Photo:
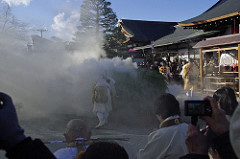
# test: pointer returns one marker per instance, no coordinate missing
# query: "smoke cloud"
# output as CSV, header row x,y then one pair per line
x,y
64,26
51,79
58,79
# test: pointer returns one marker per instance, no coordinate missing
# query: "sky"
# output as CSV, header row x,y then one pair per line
x,y
60,17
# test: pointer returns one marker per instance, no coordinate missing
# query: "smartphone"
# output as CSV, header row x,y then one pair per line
x,y
197,108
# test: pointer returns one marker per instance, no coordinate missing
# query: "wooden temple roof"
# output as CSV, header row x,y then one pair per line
x,y
219,41
221,10
139,30
180,35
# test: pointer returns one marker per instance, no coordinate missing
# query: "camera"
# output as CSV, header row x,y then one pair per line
x,y
197,108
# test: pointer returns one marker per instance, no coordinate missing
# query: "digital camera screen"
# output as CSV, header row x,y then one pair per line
x,y
196,108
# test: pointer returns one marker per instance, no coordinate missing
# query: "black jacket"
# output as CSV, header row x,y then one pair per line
x,y
30,149
222,145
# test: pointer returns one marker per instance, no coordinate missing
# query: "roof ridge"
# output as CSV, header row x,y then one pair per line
x,y
215,5
145,21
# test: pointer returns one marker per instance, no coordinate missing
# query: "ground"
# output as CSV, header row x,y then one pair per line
x,y
52,128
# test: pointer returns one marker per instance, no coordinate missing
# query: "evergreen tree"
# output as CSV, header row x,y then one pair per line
x,y
97,16
114,45
97,20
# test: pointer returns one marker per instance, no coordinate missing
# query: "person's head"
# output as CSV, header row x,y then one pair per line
x,y
226,97
191,60
166,105
104,150
76,128
164,63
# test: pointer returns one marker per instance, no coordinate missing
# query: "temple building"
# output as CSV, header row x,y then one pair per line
x,y
211,38
218,55
161,40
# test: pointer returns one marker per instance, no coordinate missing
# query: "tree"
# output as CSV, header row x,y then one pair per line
x,y
97,20
9,23
114,45
97,16
5,16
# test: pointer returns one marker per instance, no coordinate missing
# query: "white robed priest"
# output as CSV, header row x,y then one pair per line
x,y
103,95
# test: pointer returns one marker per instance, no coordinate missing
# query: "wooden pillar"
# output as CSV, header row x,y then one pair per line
x,y
239,69
219,56
188,52
201,70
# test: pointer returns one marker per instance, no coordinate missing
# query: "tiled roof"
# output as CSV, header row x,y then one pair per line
x,y
140,30
181,34
222,9
220,40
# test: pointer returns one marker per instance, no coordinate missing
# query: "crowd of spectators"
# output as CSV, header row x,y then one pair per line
x,y
173,139
170,69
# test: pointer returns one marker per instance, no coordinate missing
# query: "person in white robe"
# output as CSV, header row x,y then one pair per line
x,y
168,142
103,94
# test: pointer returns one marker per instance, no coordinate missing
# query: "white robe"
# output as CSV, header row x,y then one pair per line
x,y
227,59
66,153
103,107
166,143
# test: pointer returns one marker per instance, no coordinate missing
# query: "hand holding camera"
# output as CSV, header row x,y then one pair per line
x,y
196,142
196,108
214,117
217,122
208,110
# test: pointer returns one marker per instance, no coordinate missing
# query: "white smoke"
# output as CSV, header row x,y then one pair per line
x,y
64,26
17,2
50,79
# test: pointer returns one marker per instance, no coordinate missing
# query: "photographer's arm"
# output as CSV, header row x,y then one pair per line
x,y
224,147
220,126
217,122
196,143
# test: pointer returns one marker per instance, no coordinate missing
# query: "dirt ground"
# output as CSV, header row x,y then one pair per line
x,y
135,127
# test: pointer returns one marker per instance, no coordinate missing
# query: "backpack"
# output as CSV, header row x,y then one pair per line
x,y
101,94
